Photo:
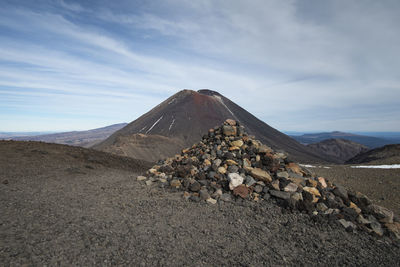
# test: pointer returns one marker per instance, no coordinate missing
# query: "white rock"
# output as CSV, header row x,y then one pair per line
x,y
212,201
141,178
234,180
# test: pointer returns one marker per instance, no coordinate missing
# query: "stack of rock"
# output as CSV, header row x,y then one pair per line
x,y
228,165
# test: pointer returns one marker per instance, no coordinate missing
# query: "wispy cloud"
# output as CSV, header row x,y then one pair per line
x,y
285,61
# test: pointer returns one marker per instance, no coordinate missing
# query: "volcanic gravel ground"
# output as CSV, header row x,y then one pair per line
x,y
382,186
70,206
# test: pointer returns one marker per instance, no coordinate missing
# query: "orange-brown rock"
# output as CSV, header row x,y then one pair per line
x,y
231,122
261,175
241,191
231,162
294,168
322,182
311,183
394,228
312,190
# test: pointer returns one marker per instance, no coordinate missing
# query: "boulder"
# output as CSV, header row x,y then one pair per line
x,y
141,178
322,182
237,143
194,186
229,130
382,214
282,175
231,122
261,175
312,190
291,187
280,194
341,192
234,180
394,228
241,191
175,183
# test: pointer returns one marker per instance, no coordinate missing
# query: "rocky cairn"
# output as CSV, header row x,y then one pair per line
x,y
229,165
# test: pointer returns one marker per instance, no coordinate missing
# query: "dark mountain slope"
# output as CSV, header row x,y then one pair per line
x,y
187,115
339,150
389,154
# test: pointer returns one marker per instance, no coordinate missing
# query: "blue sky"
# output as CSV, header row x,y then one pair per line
x,y
298,65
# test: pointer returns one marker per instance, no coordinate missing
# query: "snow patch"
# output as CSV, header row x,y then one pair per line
x,y
172,123
393,166
143,129
154,124
222,102
172,101
312,166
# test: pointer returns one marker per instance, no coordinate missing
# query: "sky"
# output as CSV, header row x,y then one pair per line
x,y
305,65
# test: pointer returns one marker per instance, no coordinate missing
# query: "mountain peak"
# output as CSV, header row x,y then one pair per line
x,y
186,116
208,92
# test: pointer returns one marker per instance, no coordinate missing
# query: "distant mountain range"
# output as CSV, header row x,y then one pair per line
x,y
74,138
369,141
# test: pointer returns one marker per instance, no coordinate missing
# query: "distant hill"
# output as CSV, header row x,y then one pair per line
x,y
75,138
9,135
338,150
369,141
184,118
389,154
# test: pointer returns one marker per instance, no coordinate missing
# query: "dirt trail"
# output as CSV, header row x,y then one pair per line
x,y
62,205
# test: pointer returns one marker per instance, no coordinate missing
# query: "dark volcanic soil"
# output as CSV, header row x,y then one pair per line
x,y
70,206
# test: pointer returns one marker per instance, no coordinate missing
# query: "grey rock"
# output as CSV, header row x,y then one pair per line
x,y
321,207
211,175
233,168
258,188
382,214
349,213
250,180
341,192
290,187
280,194
195,186
282,175
204,195
377,228
217,162
294,175
297,196
347,225
362,220
194,198
226,197
229,130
